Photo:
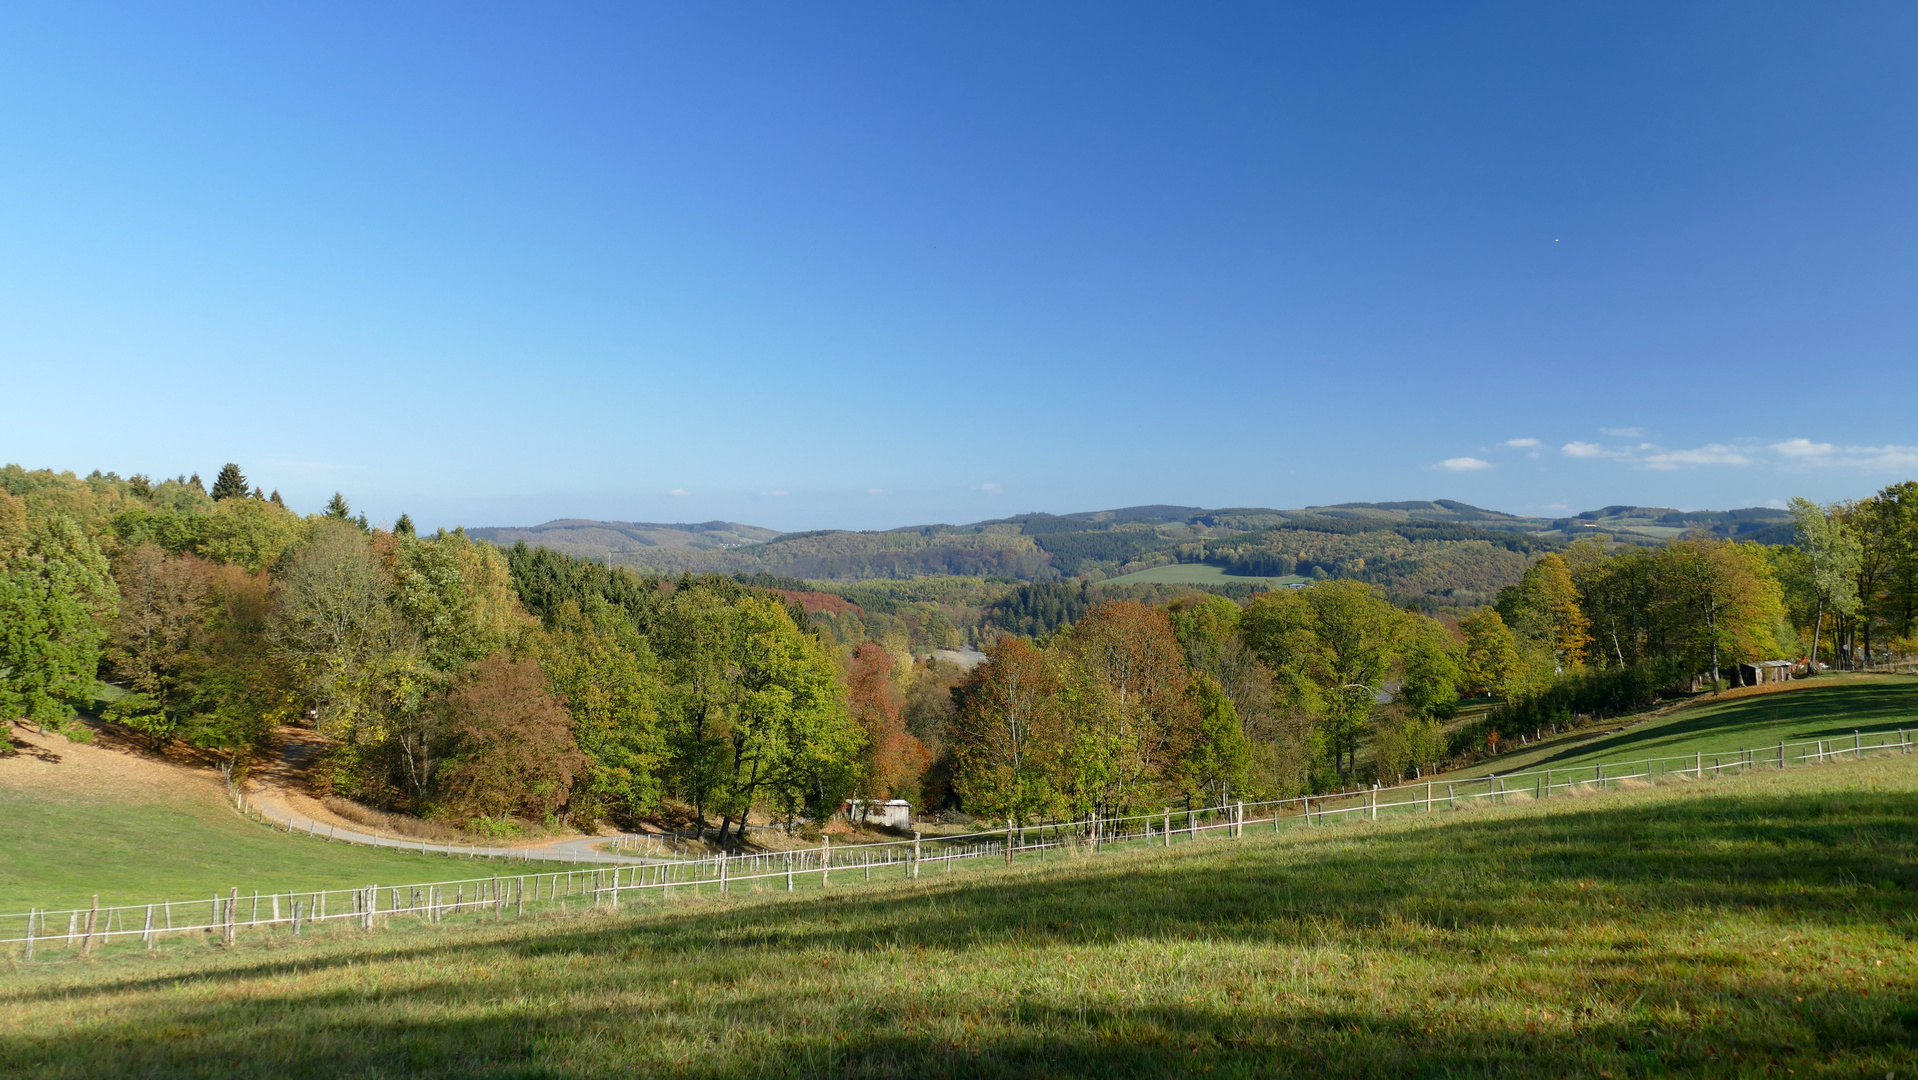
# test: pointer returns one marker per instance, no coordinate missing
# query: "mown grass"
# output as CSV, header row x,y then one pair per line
x,y
1829,708
59,850
1754,925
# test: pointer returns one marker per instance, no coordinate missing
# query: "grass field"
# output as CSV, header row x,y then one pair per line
x,y
1197,574
1761,924
132,839
1827,708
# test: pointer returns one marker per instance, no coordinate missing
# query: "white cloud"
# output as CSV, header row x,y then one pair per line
x,y
1804,452
1623,432
1804,448
992,489
1463,464
1584,450
1520,443
1777,504
1714,454
681,492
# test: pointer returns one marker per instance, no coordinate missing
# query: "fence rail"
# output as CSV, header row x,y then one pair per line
x,y
494,896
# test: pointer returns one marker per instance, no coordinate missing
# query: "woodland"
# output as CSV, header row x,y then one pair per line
x,y
502,689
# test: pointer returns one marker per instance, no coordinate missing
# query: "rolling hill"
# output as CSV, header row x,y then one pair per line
x,y
1437,553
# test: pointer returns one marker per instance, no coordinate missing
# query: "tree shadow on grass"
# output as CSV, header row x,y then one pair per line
x,y
1477,897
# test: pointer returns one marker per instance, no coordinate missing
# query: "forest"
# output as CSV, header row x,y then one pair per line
x,y
502,689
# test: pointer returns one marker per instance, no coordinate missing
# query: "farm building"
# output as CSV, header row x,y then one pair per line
x,y
890,814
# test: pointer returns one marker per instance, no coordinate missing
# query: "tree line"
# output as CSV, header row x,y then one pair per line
x,y
484,685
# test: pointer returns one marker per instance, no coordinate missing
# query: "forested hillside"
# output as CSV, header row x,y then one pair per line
x,y
501,689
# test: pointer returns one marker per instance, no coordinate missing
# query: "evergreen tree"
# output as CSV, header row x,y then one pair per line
x,y
403,527
276,500
337,508
230,484
196,483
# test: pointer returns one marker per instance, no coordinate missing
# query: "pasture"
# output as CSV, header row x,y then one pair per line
x,y
1761,923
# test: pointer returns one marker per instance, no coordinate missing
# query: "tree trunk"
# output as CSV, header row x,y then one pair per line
x,y
1817,625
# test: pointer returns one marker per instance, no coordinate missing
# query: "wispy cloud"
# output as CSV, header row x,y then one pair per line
x,y
1714,454
1792,455
1807,454
1522,444
1463,464
1623,432
679,492
992,489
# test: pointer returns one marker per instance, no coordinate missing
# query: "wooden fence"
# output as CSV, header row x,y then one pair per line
x,y
497,896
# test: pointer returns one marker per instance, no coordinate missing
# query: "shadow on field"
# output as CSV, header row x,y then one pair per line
x,y
1817,712
975,975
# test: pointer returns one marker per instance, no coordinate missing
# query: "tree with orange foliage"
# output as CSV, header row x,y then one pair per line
x,y
893,759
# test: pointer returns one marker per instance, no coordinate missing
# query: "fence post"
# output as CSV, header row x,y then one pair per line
x,y
31,912
1008,841
232,902
1451,798
789,871
1167,831
296,918
93,913
825,861
146,932
1428,796
1372,800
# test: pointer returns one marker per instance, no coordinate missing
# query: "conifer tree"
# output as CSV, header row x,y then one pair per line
x,y
276,500
403,527
230,484
336,507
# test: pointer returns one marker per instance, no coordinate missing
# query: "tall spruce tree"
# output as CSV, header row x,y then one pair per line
x,y
404,526
230,484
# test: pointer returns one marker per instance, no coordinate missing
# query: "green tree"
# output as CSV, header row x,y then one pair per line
x,y
56,599
1491,660
1833,553
1004,735
1219,761
230,484
607,677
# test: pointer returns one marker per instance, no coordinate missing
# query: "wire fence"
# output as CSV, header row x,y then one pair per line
x,y
499,896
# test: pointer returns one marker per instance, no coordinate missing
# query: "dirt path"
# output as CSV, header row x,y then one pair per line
x,y
280,791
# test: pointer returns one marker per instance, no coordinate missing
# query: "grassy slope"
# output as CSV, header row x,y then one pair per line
x,y
1829,708
60,849
1746,925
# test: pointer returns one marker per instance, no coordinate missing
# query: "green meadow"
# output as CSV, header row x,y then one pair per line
x,y
1753,925
1198,574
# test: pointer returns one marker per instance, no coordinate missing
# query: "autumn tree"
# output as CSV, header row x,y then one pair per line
x,y
1490,660
515,751
893,759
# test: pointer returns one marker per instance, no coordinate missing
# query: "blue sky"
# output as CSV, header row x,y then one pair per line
x,y
865,265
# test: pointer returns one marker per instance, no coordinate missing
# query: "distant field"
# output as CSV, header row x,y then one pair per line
x,y
1828,708
1755,925
1197,574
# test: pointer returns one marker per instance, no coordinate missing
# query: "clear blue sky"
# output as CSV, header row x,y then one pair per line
x,y
864,265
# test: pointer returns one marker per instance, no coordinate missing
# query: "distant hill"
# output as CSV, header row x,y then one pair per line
x,y
622,541
1757,524
1437,553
